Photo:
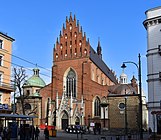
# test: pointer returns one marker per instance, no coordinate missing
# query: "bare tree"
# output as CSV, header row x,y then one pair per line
x,y
19,79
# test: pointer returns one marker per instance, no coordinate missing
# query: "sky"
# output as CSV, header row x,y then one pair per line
x,y
36,24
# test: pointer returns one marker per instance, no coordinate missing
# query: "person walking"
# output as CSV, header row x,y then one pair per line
x,y
37,131
46,133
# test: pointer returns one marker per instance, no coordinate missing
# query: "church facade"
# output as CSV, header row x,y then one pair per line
x,y
80,81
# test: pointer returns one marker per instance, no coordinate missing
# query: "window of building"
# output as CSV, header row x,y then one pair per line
x,y
71,84
75,51
1,44
66,36
61,46
80,42
97,107
27,106
75,34
1,60
85,51
56,55
0,98
70,27
80,49
27,92
1,78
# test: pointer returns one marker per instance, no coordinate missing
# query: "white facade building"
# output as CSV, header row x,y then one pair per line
x,y
153,27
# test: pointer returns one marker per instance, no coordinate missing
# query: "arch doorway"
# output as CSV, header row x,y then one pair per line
x,y
77,121
64,120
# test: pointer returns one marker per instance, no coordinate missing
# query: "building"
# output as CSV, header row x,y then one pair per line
x,y
123,105
80,80
31,97
153,27
6,87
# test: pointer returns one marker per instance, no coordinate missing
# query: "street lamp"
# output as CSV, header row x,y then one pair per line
x,y
47,112
140,90
104,105
126,123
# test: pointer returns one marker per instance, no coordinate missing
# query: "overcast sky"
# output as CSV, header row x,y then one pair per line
x,y
35,25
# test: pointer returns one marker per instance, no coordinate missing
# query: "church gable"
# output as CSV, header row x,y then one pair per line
x,y
72,42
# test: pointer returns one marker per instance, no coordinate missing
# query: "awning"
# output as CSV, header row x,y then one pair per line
x,y
17,116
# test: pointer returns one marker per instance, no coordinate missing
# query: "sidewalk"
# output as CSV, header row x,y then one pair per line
x,y
61,135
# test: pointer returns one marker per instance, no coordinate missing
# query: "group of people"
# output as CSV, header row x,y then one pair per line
x,y
5,133
25,133
29,132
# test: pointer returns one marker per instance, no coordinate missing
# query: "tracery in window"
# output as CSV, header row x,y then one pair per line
x,y
97,107
71,84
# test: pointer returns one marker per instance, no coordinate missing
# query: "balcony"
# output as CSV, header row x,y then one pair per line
x,y
6,87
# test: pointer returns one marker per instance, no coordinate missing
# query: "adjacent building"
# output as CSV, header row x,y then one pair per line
x,y
153,27
6,86
124,113
31,97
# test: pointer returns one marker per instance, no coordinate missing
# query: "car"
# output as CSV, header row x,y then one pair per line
x,y
75,129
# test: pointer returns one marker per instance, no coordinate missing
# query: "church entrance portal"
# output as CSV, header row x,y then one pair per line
x,y
77,121
64,120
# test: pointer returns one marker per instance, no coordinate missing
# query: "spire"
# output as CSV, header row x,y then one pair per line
x,y
57,41
99,49
85,35
70,18
60,34
133,81
66,18
74,17
78,25
81,30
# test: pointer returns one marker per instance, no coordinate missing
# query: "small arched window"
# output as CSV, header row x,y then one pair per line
x,y
75,34
97,107
80,43
70,27
56,55
66,36
85,51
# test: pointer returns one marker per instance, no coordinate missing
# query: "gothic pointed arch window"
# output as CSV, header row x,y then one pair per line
x,y
97,107
71,83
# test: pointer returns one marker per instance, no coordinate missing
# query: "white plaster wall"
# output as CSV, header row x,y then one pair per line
x,y
153,12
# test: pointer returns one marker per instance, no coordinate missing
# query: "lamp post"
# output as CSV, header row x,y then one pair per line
x,y
47,112
126,123
140,90
104,105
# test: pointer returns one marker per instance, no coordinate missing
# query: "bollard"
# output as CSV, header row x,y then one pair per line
x,y
103,138
129,137
117,138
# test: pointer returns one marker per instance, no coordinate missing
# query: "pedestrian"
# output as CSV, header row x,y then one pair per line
x,y
37,131
94,129
150,131
5,133
99,129
46,133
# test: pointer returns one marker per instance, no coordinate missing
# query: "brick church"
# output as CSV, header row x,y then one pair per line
x,y
80,82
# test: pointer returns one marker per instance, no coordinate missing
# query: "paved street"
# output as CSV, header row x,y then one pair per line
x,y
61,135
